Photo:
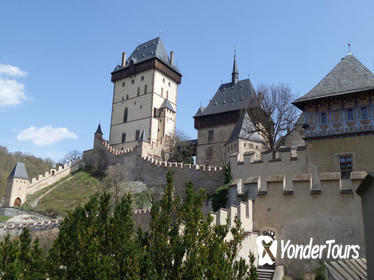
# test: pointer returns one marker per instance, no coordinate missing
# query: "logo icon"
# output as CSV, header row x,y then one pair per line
x,y
267,249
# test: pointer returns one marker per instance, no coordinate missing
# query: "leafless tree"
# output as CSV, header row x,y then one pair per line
x,y
115,176
72,156
272,115
179,150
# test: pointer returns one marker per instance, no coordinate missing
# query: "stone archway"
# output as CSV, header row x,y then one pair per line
x,y
17,202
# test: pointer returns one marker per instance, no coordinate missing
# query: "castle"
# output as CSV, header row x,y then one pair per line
x,y
307,190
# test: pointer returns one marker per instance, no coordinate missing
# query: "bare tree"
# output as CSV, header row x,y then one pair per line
x,y
72,156
115,176
272,115
179,149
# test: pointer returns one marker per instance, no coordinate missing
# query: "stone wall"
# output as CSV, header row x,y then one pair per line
x,y
151,171
20,188
297,200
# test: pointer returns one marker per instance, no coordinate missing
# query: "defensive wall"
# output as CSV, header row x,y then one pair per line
x,y
18,189
292,199
151,171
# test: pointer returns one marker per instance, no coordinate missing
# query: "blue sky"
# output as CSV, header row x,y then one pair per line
x,y
56,56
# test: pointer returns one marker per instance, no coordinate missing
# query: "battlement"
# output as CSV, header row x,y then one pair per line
x,y
142,211
118,154
52,176
114,151
244,211
41,225
169,164
294,183
283,155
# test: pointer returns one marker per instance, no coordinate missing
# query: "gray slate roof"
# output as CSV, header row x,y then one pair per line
x,y
241,130
229,97
349,75
148,50
98,130
168,105
19,171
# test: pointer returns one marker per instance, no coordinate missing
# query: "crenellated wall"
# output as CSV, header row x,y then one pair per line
x,y
151,171
20,188
244,212
298,200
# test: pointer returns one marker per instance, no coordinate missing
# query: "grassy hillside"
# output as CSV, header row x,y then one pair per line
x,y
34,165
66,194
74,190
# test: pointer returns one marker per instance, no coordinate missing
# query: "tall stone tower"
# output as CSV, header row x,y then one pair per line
x,y
16,188
144,98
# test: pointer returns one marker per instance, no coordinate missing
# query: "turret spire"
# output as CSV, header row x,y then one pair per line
x,y
235,73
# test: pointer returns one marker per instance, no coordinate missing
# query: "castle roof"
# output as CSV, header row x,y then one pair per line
x,y
19,171
151,49
229,97
241,130
168,105
98,130
348,76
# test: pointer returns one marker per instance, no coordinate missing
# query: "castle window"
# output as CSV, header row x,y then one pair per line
x,y
323,118
138,93
163,80
167,94
137,134
145,89
125,113
209,153
123,137
141,107
364,113
350,114
132,81
162,92
127,97
210,135
123,98
169,84
345,166
142,78
156,112
123,84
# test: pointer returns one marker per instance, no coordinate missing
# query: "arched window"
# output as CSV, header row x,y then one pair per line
x,y
125,115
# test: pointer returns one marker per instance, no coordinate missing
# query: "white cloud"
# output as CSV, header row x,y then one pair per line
x,y
11,71
12,92
45,135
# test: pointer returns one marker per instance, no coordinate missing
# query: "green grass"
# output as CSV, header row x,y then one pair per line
x,y
73,191
35,195
4,218
69,194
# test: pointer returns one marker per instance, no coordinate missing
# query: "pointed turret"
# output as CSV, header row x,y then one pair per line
x,y
98,130
19,172
235,73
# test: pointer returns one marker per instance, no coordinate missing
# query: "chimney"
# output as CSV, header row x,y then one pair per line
x,y
171,58
123,58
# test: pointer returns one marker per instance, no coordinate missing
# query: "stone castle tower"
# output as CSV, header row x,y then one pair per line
x,y
17,183
144,98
